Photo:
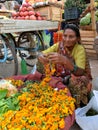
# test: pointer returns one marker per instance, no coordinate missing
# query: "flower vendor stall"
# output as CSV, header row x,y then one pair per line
x,y
36,105
34,102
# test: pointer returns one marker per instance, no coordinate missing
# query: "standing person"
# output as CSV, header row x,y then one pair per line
x,y
71,63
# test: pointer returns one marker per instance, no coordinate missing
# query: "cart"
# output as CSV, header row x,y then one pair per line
x,y
29,30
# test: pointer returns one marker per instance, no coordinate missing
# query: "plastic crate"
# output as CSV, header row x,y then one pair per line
x,y
71,13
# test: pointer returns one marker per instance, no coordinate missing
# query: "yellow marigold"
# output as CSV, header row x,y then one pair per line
x,y
62,123
42,108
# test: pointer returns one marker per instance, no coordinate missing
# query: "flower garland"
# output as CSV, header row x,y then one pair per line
x,y
41,108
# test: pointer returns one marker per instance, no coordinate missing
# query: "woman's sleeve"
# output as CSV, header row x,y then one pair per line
x,y
53,48
80,59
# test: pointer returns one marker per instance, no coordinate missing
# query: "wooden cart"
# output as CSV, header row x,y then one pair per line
x,y
11,26
9,46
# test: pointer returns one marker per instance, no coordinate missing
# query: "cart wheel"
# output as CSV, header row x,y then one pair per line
x,y
8,58
30,43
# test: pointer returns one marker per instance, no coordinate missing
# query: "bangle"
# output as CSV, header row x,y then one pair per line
x,y
74,69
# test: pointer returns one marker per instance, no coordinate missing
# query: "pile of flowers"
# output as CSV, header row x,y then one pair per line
x,y
41,108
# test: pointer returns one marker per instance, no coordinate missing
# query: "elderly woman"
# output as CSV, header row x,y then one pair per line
x,y
71,63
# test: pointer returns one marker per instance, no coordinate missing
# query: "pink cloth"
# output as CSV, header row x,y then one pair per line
x,y
69,121
36,76
56,82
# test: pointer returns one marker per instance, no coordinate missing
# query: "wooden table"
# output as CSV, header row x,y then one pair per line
x,y
11,26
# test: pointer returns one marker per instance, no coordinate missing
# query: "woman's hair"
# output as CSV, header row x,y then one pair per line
x,y
75,29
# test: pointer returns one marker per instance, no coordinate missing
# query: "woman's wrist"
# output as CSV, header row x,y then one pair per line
x,y
75,68
69,65
40,54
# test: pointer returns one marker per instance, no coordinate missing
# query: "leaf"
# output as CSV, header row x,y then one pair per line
x,y
25,90
3,109
15,100
10,103
3,93
2,102
17,107
24,128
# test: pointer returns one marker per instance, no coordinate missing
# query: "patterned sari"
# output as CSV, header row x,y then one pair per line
x,y
78,85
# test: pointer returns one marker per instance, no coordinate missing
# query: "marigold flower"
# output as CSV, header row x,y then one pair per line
x,y
41,108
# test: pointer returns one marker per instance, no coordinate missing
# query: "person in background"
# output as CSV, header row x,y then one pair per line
x,y
12,5
19,1
71,64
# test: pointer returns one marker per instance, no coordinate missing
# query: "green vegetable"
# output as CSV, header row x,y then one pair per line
x,y
9,103
88,15
96,12
3,93
85,21
96,17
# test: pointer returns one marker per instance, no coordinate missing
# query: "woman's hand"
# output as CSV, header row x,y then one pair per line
x,y
43,58
57,58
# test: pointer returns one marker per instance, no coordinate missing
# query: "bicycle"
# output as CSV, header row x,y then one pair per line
x,y
26,48
8,59
28,45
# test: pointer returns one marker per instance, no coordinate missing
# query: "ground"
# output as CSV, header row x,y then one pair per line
x,y
94,68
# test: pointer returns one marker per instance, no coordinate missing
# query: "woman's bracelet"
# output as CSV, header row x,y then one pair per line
x,y
75,68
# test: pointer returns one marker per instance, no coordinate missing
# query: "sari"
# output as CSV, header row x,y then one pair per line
x,y
79,86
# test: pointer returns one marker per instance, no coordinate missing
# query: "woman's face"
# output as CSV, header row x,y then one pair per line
x,y
69,38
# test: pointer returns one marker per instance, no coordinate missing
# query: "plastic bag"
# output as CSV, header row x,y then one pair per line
x,y
88,122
